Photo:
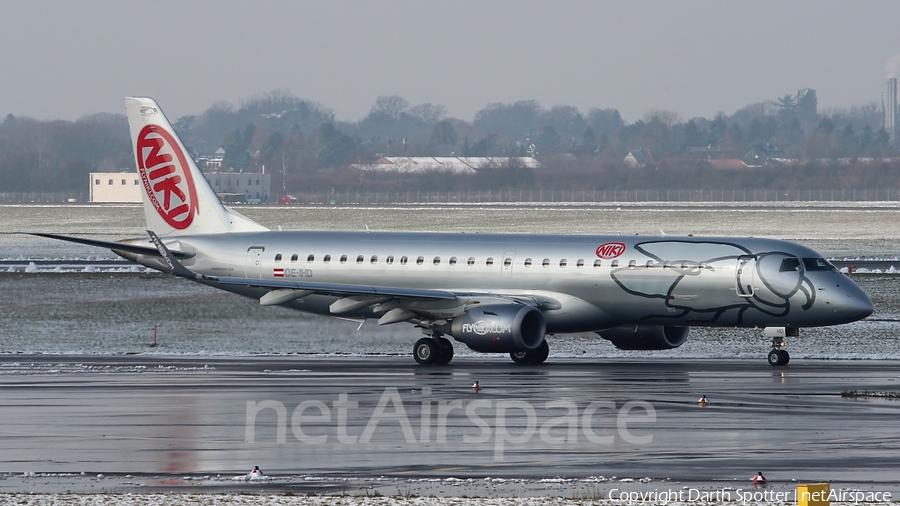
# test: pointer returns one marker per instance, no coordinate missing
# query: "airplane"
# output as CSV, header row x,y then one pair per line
x,y
495,293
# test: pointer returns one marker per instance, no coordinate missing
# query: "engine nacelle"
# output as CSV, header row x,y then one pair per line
x,y
646,337
500,328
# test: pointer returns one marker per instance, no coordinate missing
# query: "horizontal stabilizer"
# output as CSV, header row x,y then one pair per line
x,y
115,246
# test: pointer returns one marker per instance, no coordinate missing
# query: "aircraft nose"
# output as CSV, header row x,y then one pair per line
x,y
856,303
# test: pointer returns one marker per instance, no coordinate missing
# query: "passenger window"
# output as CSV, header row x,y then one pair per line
x,y
294,257
489,262
471,261
649,264
420,260
546,262
563,262
597,263
667,264
437,260
527,262
615,263
452,260
343,259
507,262
403,260
311,258
374,259
360,259
389,260
326,259
790,264
278,257
580,263
632,264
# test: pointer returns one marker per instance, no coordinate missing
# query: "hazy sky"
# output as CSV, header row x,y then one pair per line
x,y
62,59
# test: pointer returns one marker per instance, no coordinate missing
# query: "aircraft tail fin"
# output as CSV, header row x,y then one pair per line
x,y
178,200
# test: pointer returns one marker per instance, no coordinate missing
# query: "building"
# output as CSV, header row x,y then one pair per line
x,y
118,187
641,158
252,187
457,165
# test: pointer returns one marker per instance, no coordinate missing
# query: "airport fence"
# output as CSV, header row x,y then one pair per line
x,y
531,196
43,197
597,196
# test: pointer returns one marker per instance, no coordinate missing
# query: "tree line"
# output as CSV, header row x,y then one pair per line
x,y
307,149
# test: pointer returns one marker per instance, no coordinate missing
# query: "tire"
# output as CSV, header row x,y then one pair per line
x,y
445,351
426,351
776,358
520,357
785,357
539,355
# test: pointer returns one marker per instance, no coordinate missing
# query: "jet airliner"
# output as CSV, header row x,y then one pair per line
x,y
495,293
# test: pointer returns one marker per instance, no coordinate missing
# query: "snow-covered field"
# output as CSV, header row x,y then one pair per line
x,y
320,500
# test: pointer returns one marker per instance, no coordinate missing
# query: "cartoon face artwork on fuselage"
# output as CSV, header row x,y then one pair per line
x,y
715,281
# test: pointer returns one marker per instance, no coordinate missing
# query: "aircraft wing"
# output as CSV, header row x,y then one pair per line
x,y
337,288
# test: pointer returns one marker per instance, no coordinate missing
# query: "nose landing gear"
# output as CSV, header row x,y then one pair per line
x,y
779,356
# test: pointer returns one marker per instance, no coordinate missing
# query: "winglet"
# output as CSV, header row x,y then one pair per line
x,y
175,266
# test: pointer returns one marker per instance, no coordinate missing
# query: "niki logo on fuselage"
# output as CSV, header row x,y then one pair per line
x,y
279,272
610,250
166,177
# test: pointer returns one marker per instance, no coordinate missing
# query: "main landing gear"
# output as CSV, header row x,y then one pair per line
x,y
433,350
535,356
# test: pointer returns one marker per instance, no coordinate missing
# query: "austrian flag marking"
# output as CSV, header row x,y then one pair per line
x,y
610,250
166,176
278,272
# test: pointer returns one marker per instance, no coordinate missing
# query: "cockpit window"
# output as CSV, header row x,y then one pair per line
x,y
818,264
790,264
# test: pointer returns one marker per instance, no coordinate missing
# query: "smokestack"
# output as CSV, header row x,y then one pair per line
x,y
890,110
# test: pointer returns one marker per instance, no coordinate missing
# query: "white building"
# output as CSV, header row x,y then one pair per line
x,y
458,165
241,186
115,187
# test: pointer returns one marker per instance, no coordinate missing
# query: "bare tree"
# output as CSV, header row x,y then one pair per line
x,y
429,114
391,106
666,117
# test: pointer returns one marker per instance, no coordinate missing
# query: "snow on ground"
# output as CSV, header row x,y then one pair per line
x,y
316,500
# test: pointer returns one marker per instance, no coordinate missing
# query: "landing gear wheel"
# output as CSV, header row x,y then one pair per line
x,y
426,351
535,356
541,353
779,358
445,353
520,357
786,357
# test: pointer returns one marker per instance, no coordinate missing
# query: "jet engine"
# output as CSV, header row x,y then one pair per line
x,y
646,337
499,328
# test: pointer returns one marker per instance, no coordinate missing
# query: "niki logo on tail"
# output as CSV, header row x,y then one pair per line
x,y
166,177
